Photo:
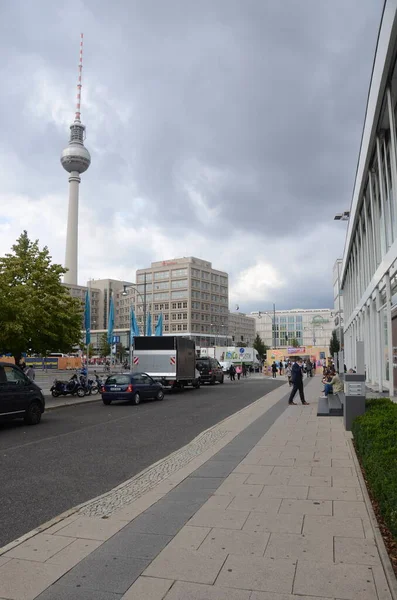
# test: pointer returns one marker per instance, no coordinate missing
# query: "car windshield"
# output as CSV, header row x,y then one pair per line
x,y
202,364
118,380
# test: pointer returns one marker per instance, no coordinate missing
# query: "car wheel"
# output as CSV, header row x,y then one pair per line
x,y
136,399
106,401
81,393
33,414
55,394
160,395
222,379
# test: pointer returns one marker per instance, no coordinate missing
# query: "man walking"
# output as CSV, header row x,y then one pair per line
x,y
297,382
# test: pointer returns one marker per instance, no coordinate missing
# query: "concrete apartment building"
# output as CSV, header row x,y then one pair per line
x,y
241,329
310,327
79,291
192,297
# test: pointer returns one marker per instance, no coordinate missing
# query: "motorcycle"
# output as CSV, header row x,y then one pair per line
x,y
63,388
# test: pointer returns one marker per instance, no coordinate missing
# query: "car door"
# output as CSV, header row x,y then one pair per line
x,y
6,405
147,388
18,390
152,387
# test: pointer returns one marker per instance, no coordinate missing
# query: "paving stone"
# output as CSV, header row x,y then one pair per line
x,y
310,480
3,561
189,537
74,553
195,591
272,461
333,471
104,573
345,527
148,588
198,484
316,547
254,573
92,528
334,493
187,565
273,596
273,479
132,544
349,509
353,550
344,482
288,523
260,504
343,462
306,507
60,592
218,502
40,547
242,490
285,491
158,523
235,542
350,582
170,508
215,468
250,469
217,517
299,455
381,584
62,523
24,580
190,496
324,462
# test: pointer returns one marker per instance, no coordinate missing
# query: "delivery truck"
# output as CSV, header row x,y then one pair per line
x,y
168,359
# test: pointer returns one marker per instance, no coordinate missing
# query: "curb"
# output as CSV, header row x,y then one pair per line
x,y
386,564
77,508
74,403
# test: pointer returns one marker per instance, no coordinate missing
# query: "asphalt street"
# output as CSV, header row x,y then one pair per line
x,y
80,452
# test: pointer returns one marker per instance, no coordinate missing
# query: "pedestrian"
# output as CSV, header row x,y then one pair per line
x,y
239,370
297,381
281,367
288,372
309,367
22,364
232,373
274,370
314,366
244,370
30,372
333,385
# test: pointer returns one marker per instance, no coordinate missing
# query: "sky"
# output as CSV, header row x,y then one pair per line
x,y
223,129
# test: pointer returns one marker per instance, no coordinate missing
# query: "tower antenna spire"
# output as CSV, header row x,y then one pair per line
x,y
79,84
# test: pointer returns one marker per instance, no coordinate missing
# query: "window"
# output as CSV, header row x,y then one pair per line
x,y
179,316
118,380
166,327
173,327
195,283
173,316
185,327
166,317
185,315
156,307
194,294
161,275
195,273
141,278
162,285
141,288
291,319
179,273
162,296
179,283
13,375
179,327
184,305
205,275
173,305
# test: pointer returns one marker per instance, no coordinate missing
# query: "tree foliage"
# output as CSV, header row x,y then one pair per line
x,y
294,343
37,313
260,346
334,345
104,346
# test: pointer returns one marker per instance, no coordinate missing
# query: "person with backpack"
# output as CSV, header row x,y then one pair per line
x,y
232,373
274,370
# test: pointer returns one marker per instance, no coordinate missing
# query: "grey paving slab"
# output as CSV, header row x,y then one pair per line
x,y
130,543
198,484
235,542
186,565
104,573
316,547
173,507
353,550
195,591
60,592
350,582
216,468
148,588
157,524
254,573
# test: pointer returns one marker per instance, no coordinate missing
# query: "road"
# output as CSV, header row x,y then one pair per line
x,y
80,452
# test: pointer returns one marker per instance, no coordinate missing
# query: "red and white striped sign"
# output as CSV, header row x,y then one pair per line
x,y
136,360
172,360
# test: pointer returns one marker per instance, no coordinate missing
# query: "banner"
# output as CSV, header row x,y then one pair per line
x,y
300,350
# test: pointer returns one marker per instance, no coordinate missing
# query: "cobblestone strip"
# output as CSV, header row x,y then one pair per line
x,y
135,487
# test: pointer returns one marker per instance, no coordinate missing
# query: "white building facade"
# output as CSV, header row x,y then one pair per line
x,y
369,274
309,327
241,328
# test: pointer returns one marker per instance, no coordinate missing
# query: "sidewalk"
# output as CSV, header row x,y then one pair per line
x,y
270,510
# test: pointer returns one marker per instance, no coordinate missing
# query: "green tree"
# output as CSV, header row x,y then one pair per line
x,y
37,313
104,346
334,345
260,346
294,343
91,350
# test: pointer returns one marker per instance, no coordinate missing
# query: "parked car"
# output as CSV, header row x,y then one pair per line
x,y
131,386
19,396
210,370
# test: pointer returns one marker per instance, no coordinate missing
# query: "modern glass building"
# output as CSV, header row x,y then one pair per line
x,y
369,268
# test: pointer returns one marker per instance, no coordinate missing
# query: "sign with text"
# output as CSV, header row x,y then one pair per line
x,y
300,350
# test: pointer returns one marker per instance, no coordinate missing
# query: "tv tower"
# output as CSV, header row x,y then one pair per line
x,y
75,159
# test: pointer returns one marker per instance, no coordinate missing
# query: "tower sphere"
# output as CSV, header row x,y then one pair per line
x,y
75,157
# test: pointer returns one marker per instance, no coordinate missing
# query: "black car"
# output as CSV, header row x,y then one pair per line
x,y
19,396
132,387
210,370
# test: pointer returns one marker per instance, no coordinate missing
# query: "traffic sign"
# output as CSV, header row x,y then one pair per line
x,y
116,339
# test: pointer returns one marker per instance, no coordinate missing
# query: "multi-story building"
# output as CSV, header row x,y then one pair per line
x,y
106,287
338,300
79,291
241,329
309,327
369,269
192,297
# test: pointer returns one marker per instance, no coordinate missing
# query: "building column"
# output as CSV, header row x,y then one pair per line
x,y
389,334
378,338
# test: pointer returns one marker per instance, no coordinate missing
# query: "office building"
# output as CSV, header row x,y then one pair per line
x,y
369,269
241,329
308,327
79,291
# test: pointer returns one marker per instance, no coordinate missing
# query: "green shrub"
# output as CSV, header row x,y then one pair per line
x,y
375,437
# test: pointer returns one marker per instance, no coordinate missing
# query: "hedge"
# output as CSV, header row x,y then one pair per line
x,y
375,437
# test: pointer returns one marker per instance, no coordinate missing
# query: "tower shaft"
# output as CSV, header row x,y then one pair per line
x,y
72,230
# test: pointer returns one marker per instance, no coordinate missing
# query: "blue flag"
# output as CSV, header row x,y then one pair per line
x,y
87,318
159,326
134,329
149,325
111,321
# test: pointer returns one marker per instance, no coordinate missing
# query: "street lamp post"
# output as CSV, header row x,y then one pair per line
x,y
124,293
273,323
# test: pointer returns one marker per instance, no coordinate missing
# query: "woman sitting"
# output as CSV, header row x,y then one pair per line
x,y
334,386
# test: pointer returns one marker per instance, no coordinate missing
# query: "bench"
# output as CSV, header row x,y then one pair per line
x,y
331,406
